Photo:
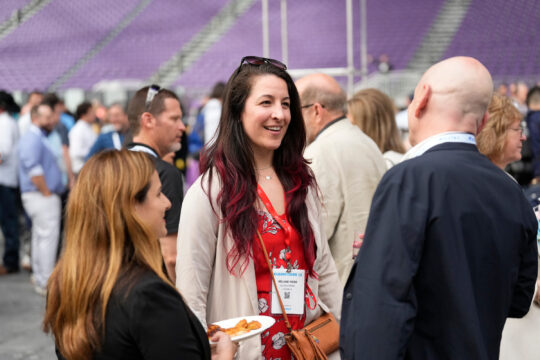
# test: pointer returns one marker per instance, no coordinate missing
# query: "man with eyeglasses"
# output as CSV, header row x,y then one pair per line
x,y
155,119
347,164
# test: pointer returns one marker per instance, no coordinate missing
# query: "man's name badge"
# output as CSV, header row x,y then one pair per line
x,y
291,288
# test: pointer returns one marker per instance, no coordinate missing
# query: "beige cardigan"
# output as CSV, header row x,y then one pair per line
x,y
213,293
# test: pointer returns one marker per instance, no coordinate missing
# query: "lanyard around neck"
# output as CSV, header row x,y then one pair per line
x,y
145,149
288,233
284,224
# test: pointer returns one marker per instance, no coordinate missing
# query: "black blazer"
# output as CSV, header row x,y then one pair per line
x,y
147,319
449,253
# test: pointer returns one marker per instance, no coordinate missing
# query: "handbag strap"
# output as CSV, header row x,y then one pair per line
x,y
274,280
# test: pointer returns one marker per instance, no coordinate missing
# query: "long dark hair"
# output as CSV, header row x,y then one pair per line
x,y
232,158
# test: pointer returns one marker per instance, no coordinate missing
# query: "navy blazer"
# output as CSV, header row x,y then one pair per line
x,y
449,253
104,142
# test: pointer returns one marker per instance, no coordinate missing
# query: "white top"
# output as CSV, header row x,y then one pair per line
x,y
402,120
9,136
392,158
24,123
348,166
432,141
211,114
81,139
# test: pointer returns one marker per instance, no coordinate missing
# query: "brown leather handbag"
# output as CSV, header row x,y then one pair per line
x,y
316,340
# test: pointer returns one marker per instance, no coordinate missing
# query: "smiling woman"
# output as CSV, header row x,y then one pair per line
x,y
256,181
502,136
266,117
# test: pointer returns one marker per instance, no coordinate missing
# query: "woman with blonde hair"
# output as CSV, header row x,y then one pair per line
x,y
108,296
373,112
501,137
501,141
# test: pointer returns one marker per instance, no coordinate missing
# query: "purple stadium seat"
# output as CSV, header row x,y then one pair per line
x,y
44,47
151,39
506,39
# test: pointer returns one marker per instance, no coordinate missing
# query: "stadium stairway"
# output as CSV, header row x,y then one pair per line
x,y
19,16
96,49
440,35
171,69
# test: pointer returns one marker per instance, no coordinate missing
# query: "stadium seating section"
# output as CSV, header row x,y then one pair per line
x,y
74,37
502,34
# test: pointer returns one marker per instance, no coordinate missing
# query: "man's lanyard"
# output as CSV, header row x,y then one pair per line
x,y
144,148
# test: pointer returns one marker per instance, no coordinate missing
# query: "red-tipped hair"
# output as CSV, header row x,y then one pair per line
x,y
231,157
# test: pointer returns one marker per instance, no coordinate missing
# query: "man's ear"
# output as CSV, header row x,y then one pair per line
x,y
423,98
483,122
318,108
147,120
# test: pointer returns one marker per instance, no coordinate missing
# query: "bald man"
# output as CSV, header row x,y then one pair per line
x,y
347,163
450,246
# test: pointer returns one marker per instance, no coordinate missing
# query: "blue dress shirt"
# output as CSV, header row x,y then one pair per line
x,y
36,158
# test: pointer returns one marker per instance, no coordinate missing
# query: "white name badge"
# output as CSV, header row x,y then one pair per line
x,y
291,288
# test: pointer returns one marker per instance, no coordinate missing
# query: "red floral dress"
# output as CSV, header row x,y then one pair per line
x,y
275,240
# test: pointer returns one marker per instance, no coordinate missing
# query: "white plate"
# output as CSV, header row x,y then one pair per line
x,y
266,322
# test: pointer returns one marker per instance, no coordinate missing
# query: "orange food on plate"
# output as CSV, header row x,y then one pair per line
x,y
241,324
232,332
240,328
254,325
212,329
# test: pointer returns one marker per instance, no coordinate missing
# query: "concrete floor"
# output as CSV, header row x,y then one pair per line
x,y
521,337
21,313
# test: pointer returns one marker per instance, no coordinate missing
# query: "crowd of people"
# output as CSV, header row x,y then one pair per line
x,y
300,200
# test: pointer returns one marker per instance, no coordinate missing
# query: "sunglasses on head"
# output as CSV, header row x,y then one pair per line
x,y
257,60
153,90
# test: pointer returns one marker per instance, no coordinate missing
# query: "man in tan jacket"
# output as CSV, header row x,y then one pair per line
x,y
347,164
